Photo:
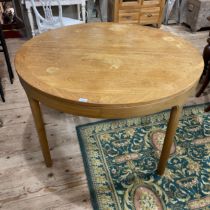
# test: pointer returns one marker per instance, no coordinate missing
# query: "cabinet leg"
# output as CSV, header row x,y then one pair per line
x,y
158,25
169,137
38,120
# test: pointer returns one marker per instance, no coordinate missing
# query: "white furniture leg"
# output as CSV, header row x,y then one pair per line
x,y
31,20
78,11
83,13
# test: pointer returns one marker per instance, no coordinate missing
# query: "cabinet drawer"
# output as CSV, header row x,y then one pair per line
x,y
149,10
149,3
128,17
125,11
149,17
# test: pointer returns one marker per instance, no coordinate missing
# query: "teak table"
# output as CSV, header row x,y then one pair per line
x,y
108,70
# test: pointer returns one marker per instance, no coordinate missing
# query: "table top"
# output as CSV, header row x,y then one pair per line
x,y
109,64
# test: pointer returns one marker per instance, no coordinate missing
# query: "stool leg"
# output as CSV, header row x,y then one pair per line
x,y
6,54
207,109
206,71
2,92
205,83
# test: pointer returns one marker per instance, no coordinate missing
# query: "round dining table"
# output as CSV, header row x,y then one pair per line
x,y
109,70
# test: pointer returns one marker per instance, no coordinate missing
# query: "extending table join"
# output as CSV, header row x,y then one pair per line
x,y
108,70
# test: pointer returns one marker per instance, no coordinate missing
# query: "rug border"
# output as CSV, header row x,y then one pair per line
x,y
106,120
87,171
93,196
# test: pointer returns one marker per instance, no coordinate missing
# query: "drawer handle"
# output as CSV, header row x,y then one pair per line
x,y
149,15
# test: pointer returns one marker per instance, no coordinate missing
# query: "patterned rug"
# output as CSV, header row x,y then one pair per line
x,y
121,156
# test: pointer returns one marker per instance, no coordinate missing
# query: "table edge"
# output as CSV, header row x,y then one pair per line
x,y
110,111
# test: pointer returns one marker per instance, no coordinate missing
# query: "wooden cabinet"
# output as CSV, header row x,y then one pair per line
x,y
136,11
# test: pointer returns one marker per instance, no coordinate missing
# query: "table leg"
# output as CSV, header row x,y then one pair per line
x,y
169,137
38,120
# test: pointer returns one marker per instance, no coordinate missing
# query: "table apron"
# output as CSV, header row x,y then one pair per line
x,y
111,112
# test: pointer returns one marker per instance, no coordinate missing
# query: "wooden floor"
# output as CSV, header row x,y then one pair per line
x,y
25,182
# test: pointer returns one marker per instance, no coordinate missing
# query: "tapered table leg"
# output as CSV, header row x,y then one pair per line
x,y
169,137
38,120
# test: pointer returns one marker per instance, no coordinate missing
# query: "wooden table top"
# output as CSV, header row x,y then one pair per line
x,y
107,64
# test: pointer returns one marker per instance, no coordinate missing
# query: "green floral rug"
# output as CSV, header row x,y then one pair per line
x,y
121,156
